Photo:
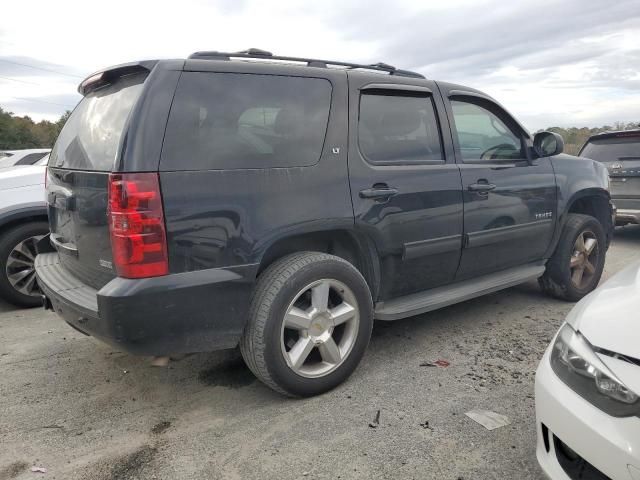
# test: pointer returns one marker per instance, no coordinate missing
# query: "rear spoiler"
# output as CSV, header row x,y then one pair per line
x,y
618,134
109,75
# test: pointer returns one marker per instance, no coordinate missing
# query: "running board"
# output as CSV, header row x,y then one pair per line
x,y
440,297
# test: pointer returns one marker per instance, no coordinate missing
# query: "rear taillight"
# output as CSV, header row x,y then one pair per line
x,y
136,224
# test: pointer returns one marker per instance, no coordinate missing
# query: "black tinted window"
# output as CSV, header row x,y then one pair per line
x,y
397,129
482,135
610,149
229,121
91,137
31,159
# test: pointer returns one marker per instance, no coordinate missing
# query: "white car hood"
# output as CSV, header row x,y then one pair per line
x,y
22,176
609,317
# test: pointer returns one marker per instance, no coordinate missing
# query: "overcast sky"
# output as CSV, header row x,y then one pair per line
x,y
565,62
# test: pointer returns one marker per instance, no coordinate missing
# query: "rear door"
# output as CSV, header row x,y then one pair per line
x,y
79,166
405,185
509,199
620,153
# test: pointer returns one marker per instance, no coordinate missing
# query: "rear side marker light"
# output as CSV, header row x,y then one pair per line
x,y
136,225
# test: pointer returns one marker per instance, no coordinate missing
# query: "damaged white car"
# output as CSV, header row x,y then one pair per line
x,y
588,387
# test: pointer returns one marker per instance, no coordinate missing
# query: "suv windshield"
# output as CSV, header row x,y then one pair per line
x,y
91,136
610,149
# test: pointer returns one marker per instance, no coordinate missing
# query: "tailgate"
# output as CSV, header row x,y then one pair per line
x,y
620,153
78,176
78,221
625,177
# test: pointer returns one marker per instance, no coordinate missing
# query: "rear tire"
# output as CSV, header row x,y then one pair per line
x,y
309,324
17,253
575,268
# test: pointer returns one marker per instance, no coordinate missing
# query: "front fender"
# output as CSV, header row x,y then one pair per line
x,y
576,178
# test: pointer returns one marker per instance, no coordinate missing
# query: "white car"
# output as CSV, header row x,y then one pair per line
x,y
10,158
23,222
588,387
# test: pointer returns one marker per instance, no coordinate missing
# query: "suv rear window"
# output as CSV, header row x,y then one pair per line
x,y
398,129
91,137
610,149
232,121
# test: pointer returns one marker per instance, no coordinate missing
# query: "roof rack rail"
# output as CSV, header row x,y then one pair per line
x,y
257,53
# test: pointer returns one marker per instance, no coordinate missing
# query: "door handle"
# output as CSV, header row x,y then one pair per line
x,y
378,192
58,244
481,187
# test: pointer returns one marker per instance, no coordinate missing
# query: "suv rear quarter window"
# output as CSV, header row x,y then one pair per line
x,y
235,121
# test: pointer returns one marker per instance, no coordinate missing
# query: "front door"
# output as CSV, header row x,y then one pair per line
x,y
405,185
509,197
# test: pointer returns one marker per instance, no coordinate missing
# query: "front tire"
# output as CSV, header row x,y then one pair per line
x,y
575,268
309,324
18,283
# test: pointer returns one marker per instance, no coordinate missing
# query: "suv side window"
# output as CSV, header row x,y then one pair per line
x,y
398,128
483,135
235,121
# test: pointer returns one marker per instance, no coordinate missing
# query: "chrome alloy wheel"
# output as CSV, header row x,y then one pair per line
x,y
20,268
320,328
584,259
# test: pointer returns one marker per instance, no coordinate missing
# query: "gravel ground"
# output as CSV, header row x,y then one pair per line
x,y
83,410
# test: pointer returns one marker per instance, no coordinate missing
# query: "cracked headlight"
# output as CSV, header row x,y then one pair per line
x,y
575,362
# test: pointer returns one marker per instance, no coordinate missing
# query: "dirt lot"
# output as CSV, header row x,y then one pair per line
x,y
83,410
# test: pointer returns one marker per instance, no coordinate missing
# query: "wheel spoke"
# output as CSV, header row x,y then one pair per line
x,y
297,319
300,351
18,276
575,261
329,351
24,250
342,313
588,266
589,245
31,285
580,243
16,261
577,275
320,296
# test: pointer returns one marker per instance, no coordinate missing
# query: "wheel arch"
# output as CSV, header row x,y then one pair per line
x,y
356,248
22,215
595,202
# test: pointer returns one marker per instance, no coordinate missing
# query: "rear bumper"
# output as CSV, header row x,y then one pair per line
x,y
628,210
624,216
179,313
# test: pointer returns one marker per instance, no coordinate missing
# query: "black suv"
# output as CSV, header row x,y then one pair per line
x,y
281,204
620,153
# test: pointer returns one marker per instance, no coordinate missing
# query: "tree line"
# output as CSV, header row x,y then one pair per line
x,y
23,132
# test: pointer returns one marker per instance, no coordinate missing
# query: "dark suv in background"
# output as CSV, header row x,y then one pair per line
x,y
620,153
281,204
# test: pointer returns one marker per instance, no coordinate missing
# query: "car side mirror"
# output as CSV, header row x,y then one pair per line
x,y
548,144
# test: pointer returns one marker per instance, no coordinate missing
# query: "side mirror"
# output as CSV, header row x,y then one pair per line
x,y
548,144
